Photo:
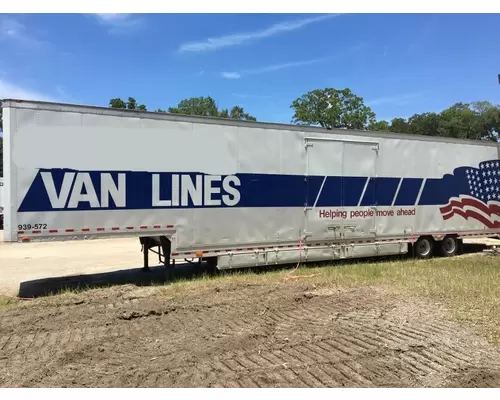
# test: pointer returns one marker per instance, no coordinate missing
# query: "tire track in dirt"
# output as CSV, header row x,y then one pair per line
x,y
353,343
343,359
350,339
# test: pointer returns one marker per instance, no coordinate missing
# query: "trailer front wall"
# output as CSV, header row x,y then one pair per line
x,y
82,172
1,195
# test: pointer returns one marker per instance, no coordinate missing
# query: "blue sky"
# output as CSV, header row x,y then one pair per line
x,y
400,64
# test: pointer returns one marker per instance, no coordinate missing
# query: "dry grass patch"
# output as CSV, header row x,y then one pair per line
x,y
6,301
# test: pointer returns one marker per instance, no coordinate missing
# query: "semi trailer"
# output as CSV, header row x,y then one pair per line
x,y
241,193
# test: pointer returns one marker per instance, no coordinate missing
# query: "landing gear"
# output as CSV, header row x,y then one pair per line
x,y
164,247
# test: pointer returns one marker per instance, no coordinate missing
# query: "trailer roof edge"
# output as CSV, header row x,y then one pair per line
x,y
101,110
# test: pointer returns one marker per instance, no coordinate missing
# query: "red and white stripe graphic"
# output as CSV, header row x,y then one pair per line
x,y
471,208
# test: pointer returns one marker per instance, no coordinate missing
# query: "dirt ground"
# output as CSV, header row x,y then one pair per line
x,y
279,334
227,334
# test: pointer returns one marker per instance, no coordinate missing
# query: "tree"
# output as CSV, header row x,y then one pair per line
x,y
474,121
426,124
202,106
237,112
131,104
477,121
379,126
117,103
332,108
224,113
207,107
399,125
490,116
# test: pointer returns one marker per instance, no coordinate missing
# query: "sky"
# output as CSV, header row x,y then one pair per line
x,y
401,64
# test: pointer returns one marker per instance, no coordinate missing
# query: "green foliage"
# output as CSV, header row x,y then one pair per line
x,y
383,126
340,108
202,106
332,108
426,124
117,103
399,125
207,107
477,121
131,104
237,112
474,121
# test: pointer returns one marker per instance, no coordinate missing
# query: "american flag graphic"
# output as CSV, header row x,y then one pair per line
x,y
481,201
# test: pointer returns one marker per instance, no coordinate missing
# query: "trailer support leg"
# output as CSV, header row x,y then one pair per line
x,y
166,247
145,251
151,244
145,267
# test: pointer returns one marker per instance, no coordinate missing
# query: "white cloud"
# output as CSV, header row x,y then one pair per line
x,y
119,24
240,38
271,68
230,75
277,67
397,99
12,91
14,31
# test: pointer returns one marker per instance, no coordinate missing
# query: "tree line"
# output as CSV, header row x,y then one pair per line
x,y
201,106
332,108
342,109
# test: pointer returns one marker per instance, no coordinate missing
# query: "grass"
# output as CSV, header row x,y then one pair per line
x,y
468,286
7,301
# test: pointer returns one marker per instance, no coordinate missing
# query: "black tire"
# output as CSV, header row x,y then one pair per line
x,y
449,246
423,248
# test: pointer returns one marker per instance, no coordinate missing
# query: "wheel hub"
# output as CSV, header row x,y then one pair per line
x,y
424,247
449,245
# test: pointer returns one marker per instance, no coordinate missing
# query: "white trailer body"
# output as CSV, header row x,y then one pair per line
x,y
241,193
1,203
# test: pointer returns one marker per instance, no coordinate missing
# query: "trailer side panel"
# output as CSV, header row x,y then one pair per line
x,y
222,187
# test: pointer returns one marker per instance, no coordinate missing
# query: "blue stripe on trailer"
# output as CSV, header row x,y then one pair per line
x,y
70,190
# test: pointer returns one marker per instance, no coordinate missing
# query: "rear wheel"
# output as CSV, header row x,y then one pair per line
x,y
449,246
423,247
